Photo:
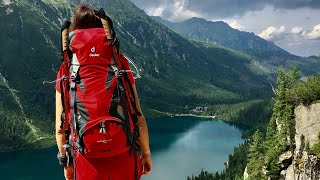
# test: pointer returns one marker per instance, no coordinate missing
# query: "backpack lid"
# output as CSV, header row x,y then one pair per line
x,y
91,45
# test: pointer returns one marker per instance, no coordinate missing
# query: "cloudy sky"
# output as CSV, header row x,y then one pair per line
x,y
294,25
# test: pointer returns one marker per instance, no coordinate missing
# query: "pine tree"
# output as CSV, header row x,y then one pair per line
x,y
281,129
256,159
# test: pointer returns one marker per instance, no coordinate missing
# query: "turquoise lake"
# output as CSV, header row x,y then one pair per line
x,y
180,146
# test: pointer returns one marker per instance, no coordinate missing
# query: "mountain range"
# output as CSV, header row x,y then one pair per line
x,y
176,71
221,33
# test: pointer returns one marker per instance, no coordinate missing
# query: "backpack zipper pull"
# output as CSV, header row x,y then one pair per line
x,y
102,128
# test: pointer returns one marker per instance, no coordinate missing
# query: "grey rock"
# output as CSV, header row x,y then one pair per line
x,y
307,124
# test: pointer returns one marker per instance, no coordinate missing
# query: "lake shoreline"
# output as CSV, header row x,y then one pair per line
x,y
167,114
30,146
194,115
164,114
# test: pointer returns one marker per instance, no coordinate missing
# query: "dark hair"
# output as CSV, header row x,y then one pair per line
x,y
85,18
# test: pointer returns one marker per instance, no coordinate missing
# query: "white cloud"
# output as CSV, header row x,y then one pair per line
x,y
296,30
181,11
272,32
301,41
173,12
314,34
156,11
294,43
235,25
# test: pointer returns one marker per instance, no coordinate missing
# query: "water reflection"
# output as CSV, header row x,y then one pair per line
x,y
204,146
165,131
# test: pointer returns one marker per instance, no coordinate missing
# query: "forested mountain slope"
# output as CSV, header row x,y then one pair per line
x,y
175,71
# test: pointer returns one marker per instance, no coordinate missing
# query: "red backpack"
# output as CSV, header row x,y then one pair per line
x,y
98,98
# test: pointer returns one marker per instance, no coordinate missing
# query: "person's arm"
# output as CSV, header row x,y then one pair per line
x,y
144,137
60,137
60,134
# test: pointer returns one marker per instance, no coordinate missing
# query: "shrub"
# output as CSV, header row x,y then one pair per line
x,y
308,91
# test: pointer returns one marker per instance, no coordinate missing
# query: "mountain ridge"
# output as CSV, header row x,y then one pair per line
x,y
211,30
221,33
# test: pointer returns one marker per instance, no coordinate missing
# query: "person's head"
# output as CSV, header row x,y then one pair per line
x,y
85,18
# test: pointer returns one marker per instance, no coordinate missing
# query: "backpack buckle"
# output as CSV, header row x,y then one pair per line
x,y
75,77
102,128
116,71
116,42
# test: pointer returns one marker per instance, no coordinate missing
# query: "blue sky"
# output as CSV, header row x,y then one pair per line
x,y
294,25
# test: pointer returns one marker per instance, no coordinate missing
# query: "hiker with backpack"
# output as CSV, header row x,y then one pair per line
x,y
101,132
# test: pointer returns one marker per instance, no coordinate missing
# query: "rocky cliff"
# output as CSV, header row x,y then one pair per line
x,y
307,124
303,165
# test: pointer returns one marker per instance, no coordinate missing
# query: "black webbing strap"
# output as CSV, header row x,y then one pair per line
x,y
74,124
76,79
137,112
122,100
136,174
62,100
78,143
73,107
74,163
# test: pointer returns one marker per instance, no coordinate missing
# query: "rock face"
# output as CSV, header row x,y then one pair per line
x,y
311,168
305,166
307,124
